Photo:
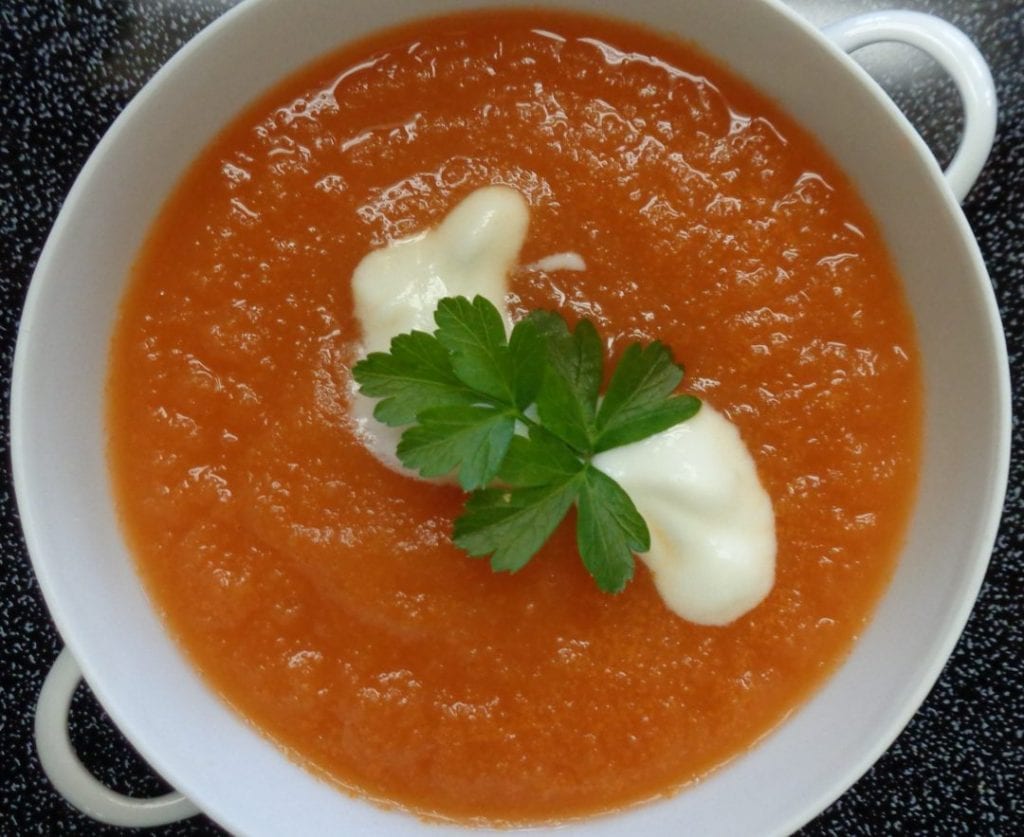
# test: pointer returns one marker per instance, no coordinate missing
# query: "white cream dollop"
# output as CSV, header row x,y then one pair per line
x,y
712,526
396,289
711,522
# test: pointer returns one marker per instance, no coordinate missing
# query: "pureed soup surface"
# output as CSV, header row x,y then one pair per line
x,y
318,591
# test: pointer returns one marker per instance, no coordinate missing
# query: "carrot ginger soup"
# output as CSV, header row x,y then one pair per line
x,y
318,590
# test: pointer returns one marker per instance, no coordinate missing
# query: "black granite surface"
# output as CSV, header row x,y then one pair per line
x,y
66,70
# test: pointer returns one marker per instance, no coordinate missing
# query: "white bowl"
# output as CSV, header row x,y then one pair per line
x,y
216,759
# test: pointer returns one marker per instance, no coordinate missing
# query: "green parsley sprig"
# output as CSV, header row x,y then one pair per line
x,y
519,419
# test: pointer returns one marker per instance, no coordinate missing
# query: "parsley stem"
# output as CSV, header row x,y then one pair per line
x,y
529,422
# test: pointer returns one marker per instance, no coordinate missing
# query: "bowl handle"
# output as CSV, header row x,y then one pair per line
x,y
952,49
70,777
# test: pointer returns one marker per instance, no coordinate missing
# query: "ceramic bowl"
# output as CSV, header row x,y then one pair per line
x,y
141,677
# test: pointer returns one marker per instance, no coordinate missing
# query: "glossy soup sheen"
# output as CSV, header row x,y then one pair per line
x,y
318,591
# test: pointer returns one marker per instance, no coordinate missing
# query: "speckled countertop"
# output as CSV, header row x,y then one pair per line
x,y
67,69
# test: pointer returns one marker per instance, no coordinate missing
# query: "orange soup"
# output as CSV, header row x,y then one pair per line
x,y
319,592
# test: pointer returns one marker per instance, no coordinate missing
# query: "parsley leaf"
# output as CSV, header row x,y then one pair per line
x,y
567,397
562,412
526,412
415,375
538,460
609,530
577,356
636,404
529,357
474,334
473,438
658,417
511,525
